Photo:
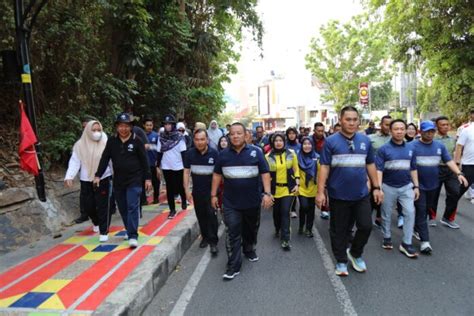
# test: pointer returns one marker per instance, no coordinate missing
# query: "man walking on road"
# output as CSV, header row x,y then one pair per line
x,y
240,166
130,164
152,156
346,161
465,154
199,163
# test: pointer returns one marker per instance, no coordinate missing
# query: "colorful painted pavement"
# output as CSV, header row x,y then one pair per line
x,y
75,277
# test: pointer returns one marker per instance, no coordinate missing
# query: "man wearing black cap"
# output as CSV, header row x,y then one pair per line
x,y
130,164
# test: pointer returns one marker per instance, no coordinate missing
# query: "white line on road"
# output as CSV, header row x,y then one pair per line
x,y
188,291
341,292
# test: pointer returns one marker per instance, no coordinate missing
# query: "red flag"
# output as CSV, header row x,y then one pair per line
x,y
27,152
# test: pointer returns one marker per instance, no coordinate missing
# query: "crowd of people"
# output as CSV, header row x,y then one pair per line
x,y
240,172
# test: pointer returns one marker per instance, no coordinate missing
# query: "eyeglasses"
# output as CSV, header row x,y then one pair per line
x,y
351,145
181,130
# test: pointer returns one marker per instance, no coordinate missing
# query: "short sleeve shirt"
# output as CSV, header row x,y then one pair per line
x,y
241,172
466,139
347,159
172,159
201,167
396,162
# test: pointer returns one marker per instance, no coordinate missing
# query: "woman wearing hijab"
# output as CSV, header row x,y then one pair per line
x,y
187,139
283,165
85,158
214,133
308,166
171,149
292,140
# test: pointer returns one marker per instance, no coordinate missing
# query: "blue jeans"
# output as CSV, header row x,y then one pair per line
x,y
406,198
128,202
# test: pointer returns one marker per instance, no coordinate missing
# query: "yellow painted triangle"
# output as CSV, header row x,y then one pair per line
x,y
54,302
5,302
89,247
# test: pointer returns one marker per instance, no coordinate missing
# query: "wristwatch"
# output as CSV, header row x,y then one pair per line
x,y
267,193
415,187
460,174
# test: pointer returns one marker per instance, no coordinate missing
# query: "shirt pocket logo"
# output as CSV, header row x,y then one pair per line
x,y
211,161
130,147
253,153
362,146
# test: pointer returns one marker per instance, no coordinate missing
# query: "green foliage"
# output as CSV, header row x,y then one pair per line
x,y
443,31
381,96
344,55
146,56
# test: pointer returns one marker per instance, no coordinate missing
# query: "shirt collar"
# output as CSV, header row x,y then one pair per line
x,y
395,144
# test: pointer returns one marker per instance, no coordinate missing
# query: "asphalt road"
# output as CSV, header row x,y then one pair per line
x,y
302,281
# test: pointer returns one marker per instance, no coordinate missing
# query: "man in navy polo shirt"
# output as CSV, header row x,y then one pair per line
x,y
152,156
240,166
429,154
396,169
346,161
199,163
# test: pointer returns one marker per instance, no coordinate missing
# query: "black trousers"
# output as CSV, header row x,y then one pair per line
x,y
452,187
156,184
468,171
96,203
242,229
174,185
422,205
343,216
207,218
281,216
307,211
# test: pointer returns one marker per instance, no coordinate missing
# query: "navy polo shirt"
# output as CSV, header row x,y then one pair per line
x,y
396,162
202,167
241,172
428,159
347,159
152,153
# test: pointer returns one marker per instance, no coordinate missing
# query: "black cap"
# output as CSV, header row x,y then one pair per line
x,y
123,118
169,119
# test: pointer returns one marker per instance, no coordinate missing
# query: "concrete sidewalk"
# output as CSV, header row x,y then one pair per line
x,y
77,275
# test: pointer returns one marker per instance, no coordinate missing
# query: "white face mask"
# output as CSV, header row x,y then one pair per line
x,y
96,136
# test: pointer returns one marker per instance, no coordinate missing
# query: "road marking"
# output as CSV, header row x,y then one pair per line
x,y
188,291
341,292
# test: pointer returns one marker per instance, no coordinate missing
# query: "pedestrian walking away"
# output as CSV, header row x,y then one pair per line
x,y
398,179
346,161
171,150
85,158
429,154
241,165
130,167
284,173
308,166
199,164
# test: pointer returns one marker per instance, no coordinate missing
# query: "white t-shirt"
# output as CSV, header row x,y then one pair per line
x,y
466,139
172,158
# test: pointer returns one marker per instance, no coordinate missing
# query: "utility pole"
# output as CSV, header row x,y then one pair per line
x,y
24,22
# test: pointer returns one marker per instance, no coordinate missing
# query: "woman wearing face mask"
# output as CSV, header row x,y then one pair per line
x,y
308,165
182,130
85,158
284,172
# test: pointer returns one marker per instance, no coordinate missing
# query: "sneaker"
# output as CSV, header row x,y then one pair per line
x,y
103,238
95,229
416,235
252,256
450,224
324,215
125,237
285,245
293,215
357,263
432,223
341,269
301,231
309,233
425,248
203,244
472,200
214,250
387,243
400,222
230,274
133,243
408,250
172,215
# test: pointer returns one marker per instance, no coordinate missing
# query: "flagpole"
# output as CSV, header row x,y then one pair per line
x,y
23,32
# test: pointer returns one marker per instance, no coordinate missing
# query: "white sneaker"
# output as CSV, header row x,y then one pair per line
x,y
432,223
103,238
125,237
133,243
425,248
95,229
472,200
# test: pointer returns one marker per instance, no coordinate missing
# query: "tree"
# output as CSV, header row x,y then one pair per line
x,y
442,31
344,55
381,96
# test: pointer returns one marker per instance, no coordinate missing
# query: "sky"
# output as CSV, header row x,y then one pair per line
x,y
289,27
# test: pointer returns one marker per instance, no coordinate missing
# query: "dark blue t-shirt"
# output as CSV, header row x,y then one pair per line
x,y
428,158
152,153
396,162
202,167
347,159
241,172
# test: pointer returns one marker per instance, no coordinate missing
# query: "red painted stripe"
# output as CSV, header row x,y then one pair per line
x,y
45,273
71,292
154,224
171,224
99,295
19,270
